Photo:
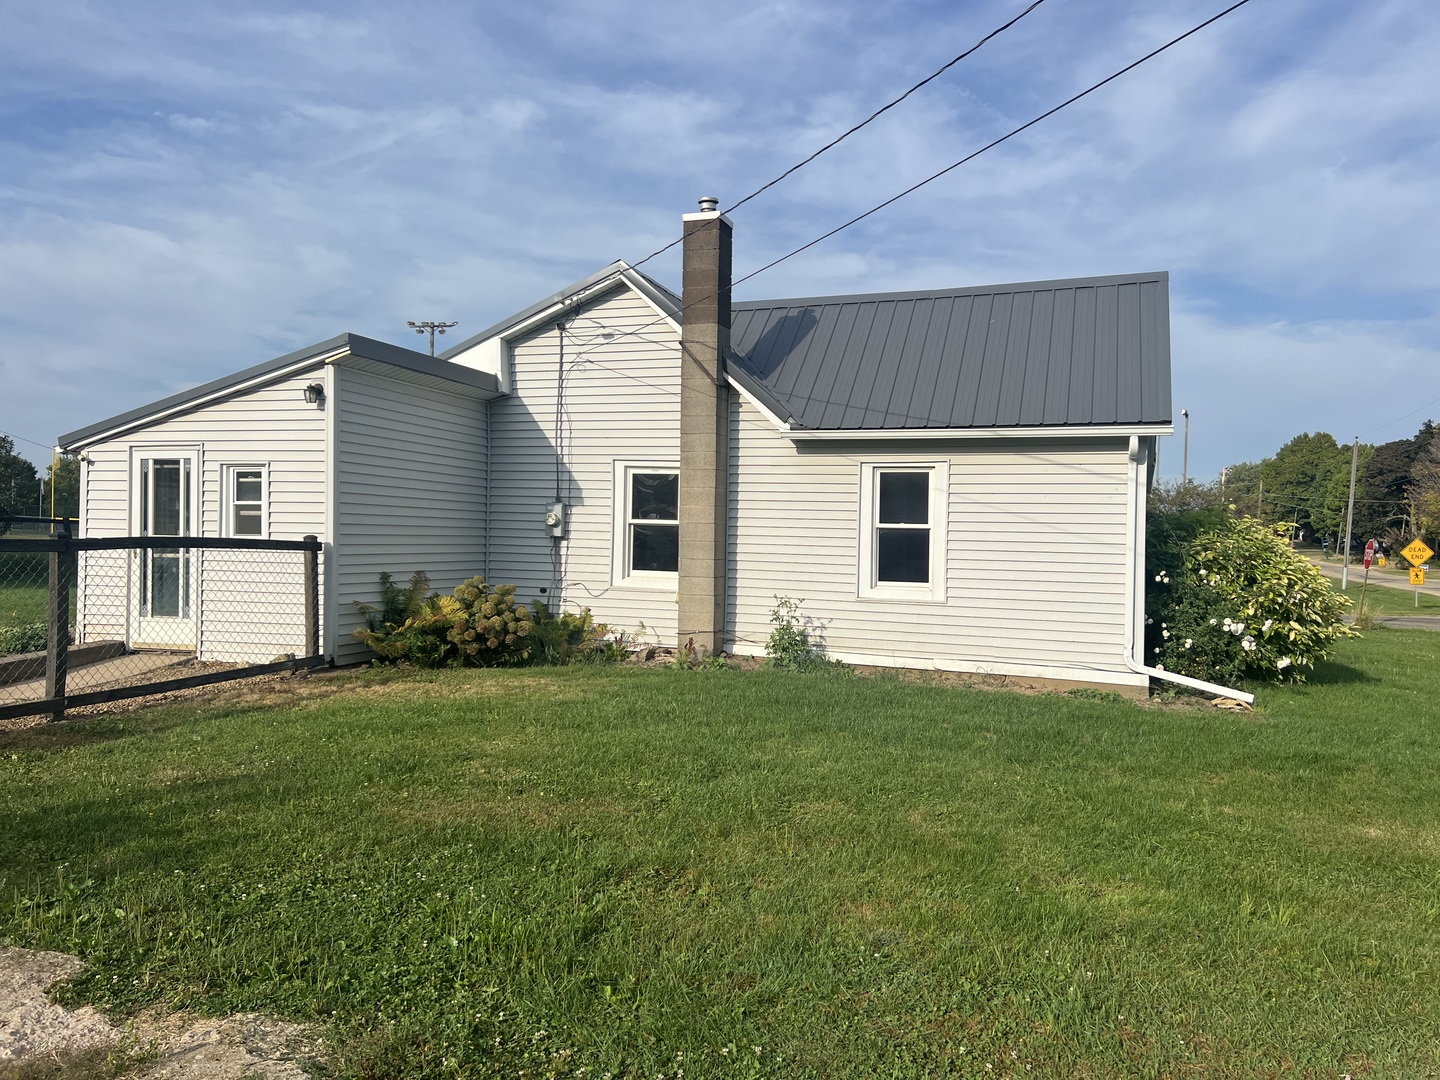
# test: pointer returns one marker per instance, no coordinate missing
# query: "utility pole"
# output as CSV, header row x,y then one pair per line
x,y
1185,460
432,328
1224,470
1350,513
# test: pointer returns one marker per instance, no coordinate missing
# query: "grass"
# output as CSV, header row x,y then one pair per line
x,y
1383,600
764,874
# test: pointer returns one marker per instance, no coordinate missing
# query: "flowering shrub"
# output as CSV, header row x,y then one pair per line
x,y
477,626
1244,604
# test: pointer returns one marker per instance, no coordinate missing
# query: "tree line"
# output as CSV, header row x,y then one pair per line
x,y
1307,482
25,493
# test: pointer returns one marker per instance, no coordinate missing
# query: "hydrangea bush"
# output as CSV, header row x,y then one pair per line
x,y
1243,605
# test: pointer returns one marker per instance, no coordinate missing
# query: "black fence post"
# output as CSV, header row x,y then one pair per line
x,y
57,659
312,597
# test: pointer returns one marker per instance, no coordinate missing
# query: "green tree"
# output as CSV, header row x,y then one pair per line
x,y
1242,486
1300,483
1380,500
1423,494
19,484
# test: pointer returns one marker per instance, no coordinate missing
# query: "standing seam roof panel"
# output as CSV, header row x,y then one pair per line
x,y
1037,360
972,361
1102,398
992,360
1017,351
1085,351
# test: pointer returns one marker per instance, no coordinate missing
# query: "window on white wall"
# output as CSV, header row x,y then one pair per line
x,y
245,501
647,526
902,530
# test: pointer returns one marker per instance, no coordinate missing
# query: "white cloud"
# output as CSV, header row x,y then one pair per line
x,y
186,197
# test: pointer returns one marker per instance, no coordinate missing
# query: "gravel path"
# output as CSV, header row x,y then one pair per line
x,y
177,1046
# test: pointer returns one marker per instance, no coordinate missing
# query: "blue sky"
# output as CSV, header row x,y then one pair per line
x,y
183,197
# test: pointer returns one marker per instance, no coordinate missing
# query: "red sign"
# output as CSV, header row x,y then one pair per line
x,y
1369,553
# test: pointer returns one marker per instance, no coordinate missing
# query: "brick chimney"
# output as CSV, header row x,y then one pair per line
x,y
704,426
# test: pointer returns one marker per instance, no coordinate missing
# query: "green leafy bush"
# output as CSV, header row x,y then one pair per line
x,y
1243,604
27,637
479,625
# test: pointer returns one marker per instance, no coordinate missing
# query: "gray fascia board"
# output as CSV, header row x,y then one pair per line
x,y
356,344
410,360
968,290
205,390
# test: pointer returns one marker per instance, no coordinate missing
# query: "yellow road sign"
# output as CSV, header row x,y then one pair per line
x,y
1417,551
1417,576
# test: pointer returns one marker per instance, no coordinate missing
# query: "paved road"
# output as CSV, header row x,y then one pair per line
x,y
1409,622
1389,577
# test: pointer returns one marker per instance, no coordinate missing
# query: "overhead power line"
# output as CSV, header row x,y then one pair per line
x,y
876,114
1412,412
1003,138
949,168
22,438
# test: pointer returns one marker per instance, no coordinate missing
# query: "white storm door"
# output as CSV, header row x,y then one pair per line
x,y
163,579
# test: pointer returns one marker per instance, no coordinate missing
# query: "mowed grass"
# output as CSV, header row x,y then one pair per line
x,y
643,871
1384,600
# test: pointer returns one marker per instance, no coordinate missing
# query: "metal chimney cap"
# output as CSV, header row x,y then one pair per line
x,y
709,204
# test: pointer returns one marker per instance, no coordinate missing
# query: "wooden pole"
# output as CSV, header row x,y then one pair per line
x,y
1350,513
57,660
312,599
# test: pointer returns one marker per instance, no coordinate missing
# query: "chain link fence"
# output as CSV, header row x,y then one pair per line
x,y
87,621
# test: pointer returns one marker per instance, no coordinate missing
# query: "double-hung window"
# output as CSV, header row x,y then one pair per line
x,y
245,501
647,526
902,530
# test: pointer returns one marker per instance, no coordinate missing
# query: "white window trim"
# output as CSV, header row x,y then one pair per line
x,y
227,500
933,591
141,454
620,573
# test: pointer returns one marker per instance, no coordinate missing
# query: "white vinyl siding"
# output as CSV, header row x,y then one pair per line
x,y
1035,563
272,426
410,491
621,402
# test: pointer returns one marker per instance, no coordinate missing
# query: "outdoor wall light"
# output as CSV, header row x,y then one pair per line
x,y
315,394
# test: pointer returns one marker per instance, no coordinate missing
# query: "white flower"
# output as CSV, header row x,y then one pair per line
x,y
1202,573
1282,663
1189,642
1266,628
1159,667
1214,623
1157,649
1248,644
1165,634
1148,620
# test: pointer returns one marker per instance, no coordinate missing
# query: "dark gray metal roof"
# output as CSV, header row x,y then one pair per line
x,y
356,345
1082,351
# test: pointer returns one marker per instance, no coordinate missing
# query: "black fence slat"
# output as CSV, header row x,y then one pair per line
x,y
120,693
153,543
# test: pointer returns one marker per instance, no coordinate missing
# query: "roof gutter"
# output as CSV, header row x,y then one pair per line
x,y
1136,634
1035,432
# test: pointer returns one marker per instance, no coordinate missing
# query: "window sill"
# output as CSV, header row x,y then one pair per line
x,y
649,582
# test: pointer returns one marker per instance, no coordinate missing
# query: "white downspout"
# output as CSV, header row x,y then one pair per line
x,y
1136,592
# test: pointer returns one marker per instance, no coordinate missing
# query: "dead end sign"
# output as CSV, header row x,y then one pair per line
x,y
1417,551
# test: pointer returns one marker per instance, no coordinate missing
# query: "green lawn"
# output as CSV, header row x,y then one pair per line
x,y
1383,600
643,871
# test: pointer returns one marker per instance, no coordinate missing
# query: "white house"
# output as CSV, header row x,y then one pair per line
x,y
952,479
